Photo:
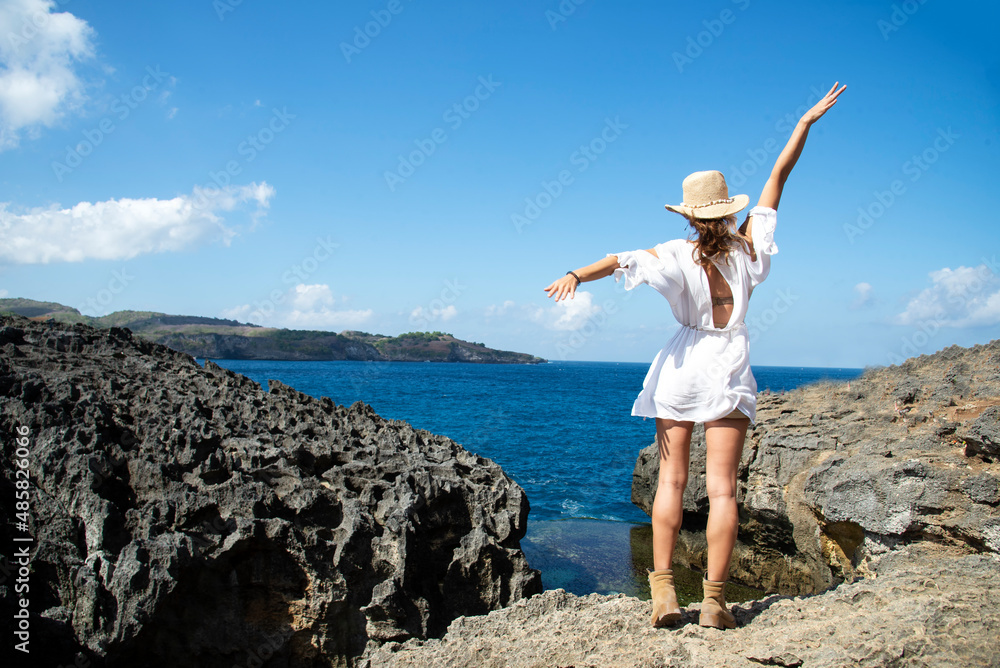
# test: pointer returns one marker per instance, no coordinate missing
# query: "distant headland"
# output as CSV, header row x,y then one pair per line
x,y
216,338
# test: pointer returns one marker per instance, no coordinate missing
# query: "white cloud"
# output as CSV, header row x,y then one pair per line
x,y
121,229
572,314
567,315
962,297
309,297
242,313
301,307
3,293
445,314
171,113
494,310
865,296
39,52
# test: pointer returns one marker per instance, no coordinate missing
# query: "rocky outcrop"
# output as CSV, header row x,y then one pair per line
x,y
462,351
926,605
835,475
216,338
438,347
886,487
182,516
298,346
269,345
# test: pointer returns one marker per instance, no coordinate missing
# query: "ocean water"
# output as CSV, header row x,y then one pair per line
x,y
561,430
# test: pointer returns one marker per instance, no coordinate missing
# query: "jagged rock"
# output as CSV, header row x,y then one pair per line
x,y
983,435
834,475
185,517
926,605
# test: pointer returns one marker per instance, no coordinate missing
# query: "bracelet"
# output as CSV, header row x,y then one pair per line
x,y
573,274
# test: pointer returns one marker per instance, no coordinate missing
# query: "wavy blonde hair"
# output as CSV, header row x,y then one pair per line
x,y
715,237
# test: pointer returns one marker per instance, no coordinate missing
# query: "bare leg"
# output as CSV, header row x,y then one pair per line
x,y
724,441
673,439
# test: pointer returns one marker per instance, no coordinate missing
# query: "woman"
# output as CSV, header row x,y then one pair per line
x,y
703,373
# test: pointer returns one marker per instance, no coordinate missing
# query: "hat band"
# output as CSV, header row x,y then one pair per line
x,y
727,200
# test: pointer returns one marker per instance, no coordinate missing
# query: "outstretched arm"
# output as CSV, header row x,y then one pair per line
x,y
771,194
567,285
793,149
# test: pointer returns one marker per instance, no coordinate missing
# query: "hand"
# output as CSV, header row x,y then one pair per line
x,y
564,286
823,105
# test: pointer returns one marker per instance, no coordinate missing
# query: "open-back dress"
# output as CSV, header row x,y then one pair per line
x,y
703,372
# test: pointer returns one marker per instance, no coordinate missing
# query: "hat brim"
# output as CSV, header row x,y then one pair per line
x,y
715,211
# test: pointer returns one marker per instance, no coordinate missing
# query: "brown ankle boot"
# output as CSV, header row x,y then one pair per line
x,y
714,611
665,608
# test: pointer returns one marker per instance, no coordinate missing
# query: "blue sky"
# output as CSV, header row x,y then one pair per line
x,y
399,165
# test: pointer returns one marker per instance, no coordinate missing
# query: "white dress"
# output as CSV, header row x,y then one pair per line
x,y
703,373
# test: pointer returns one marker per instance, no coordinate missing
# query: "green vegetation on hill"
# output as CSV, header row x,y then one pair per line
x,y
228,339
30,308
410,339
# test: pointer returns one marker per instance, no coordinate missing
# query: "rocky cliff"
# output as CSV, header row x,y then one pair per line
x,y
925,605
835,475
872,507
181,516
215,338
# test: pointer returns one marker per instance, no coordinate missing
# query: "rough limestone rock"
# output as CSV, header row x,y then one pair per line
x,y
884,489
184,517
925,605
836,474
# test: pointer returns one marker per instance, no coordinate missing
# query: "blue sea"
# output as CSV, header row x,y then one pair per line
x,y
562,430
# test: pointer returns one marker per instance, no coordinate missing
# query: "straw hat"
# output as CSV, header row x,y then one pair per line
x,y
706,195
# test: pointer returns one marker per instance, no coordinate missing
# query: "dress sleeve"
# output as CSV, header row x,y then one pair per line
x,y
764,221
660,273
762,234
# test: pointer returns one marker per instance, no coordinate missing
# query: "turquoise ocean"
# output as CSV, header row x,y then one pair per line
x,y
562,430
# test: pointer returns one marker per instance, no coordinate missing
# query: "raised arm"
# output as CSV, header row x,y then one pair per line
x,y
771,194
567,285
